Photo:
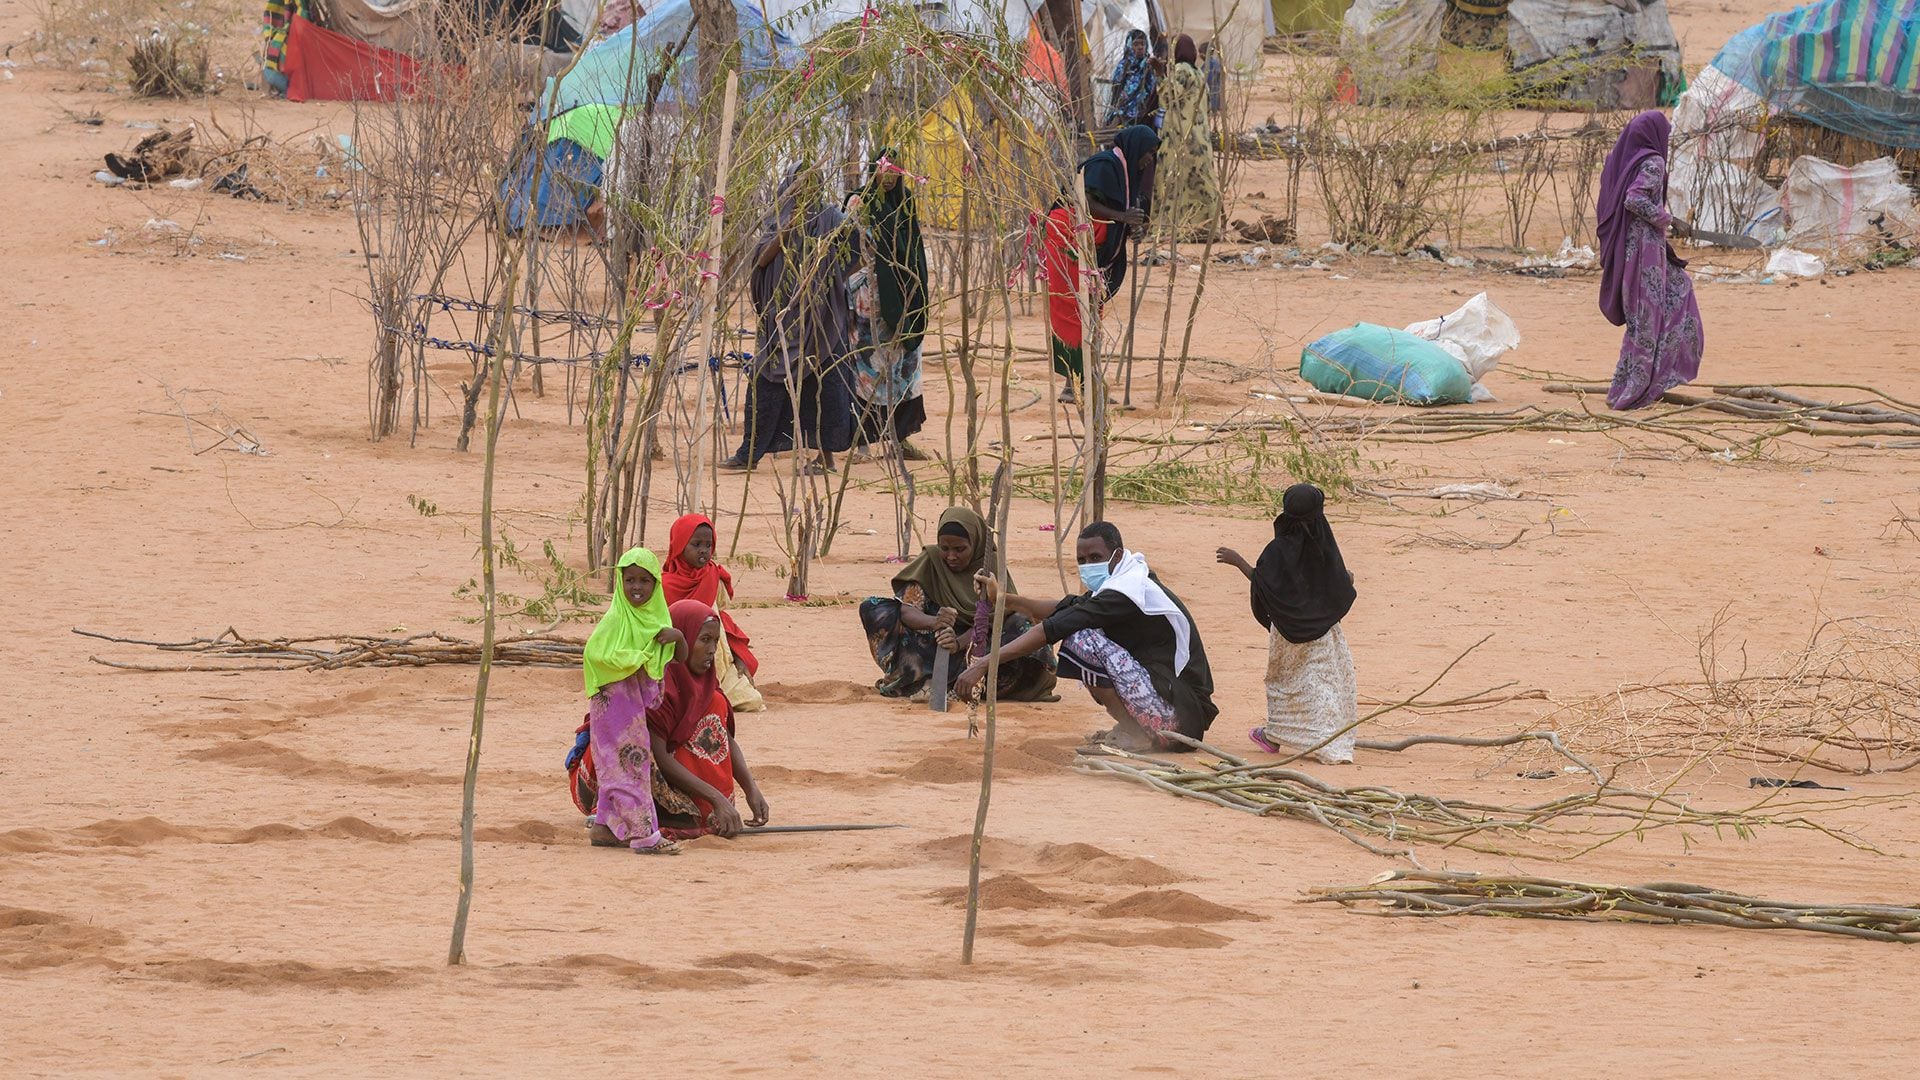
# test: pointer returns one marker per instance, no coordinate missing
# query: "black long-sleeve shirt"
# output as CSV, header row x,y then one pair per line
x,y
1150,640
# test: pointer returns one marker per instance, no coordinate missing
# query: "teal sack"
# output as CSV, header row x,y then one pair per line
x,y
1379,364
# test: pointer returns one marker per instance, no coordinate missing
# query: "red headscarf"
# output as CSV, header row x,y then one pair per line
x,y
686,698
683,582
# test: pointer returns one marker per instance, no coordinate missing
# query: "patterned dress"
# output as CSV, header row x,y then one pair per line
x,y
1187,186
1664,337
623,759
1311,694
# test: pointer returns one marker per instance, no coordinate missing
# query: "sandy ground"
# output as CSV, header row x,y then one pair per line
x,y
209,874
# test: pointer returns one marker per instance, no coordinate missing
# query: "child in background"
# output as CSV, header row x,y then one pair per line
x,y
692,574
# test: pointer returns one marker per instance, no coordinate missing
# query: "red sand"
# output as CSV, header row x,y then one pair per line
x,y
205,874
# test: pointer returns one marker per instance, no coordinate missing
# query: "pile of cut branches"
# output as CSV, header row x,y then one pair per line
x,y
1370,816
1731,420
328,652
1444,893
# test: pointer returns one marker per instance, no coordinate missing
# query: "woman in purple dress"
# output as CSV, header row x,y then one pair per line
x,y
1644,286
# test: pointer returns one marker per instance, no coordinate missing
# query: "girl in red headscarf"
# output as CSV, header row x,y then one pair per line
x,y
691,574
691,729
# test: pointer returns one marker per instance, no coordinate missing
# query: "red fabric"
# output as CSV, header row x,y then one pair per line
x,y
1043,62
685,697
683,582
709,753
321,65
1060,257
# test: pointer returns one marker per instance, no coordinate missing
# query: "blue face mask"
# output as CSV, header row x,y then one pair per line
x,y
1094,575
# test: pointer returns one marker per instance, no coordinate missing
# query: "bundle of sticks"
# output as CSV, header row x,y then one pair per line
x,y
330,651
1741,417
1564,827
1445,893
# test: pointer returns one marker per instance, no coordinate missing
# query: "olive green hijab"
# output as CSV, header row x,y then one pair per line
x,y
944,587
624,642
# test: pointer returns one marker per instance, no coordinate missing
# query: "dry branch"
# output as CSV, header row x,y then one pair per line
x,y
347,650
1369,816
1444,893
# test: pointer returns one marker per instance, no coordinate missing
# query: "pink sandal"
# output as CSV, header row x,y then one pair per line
x,y
1259,737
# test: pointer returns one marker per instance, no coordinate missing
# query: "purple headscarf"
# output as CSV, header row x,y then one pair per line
x,y
1646,136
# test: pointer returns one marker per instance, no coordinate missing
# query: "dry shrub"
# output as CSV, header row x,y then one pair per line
x,y
1847,701
100,36
162,66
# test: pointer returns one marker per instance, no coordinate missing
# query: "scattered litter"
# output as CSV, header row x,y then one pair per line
x,y
161,227
1460,262
235,183
1568,257
1777,782
1477,334
140,125
185,184
1483,489
107,178
107,239
1795,263
1339,277
234,256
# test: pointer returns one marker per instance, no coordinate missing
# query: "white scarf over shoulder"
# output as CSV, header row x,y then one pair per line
x,y
1130,580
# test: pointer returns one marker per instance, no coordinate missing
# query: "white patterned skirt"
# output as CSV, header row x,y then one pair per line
x,y
1312,693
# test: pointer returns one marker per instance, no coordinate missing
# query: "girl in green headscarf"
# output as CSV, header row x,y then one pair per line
x,y
623,663
935,605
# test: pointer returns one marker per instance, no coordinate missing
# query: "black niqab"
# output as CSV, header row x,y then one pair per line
x,y
1300,585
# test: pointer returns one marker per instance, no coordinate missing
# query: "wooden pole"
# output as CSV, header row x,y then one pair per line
x,y
710,288
1005,510
457,948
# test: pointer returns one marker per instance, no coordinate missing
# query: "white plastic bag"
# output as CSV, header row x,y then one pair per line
x,y
1477,335
1792,263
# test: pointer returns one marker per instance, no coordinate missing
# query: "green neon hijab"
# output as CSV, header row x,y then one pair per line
x,y
624,642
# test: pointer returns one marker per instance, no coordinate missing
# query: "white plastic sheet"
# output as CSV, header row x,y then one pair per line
x,y
1477,334
1830,207
1788,262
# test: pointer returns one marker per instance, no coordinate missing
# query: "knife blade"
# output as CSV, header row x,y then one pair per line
x,y
937,689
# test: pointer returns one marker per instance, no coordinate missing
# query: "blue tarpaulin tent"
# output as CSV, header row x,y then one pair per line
x,y
1852,66
582,108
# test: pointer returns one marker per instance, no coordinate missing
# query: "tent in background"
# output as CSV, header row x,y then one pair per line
x,y
1824,100
363,49
1308,16
321,65
1547,40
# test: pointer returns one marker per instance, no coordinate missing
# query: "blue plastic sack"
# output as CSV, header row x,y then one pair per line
x,y
1382,364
